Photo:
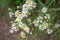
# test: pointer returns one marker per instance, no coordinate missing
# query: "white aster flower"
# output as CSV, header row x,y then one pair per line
x,y
19,18
22,35
49,31
45,25
24,14
14,27
47,16
40,19
36,22
44,9
17,13
25,8
31,4
24,27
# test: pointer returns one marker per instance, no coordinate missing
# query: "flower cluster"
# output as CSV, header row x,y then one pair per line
x,y
17,23
42,21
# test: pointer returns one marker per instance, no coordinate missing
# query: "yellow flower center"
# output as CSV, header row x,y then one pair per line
x,y
28,1
23,26
17,13
44,25
35,22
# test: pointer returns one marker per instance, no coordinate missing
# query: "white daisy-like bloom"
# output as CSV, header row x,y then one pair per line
x,y
11,14
22,34
47,16
24,27
49,31
45,25
14,27
44,9
25,8
19,18
31,4
36,22
24,14
27,29
17,13
40,19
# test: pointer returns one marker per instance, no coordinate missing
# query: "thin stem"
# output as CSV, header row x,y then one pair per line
x,y
50,3
41,3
